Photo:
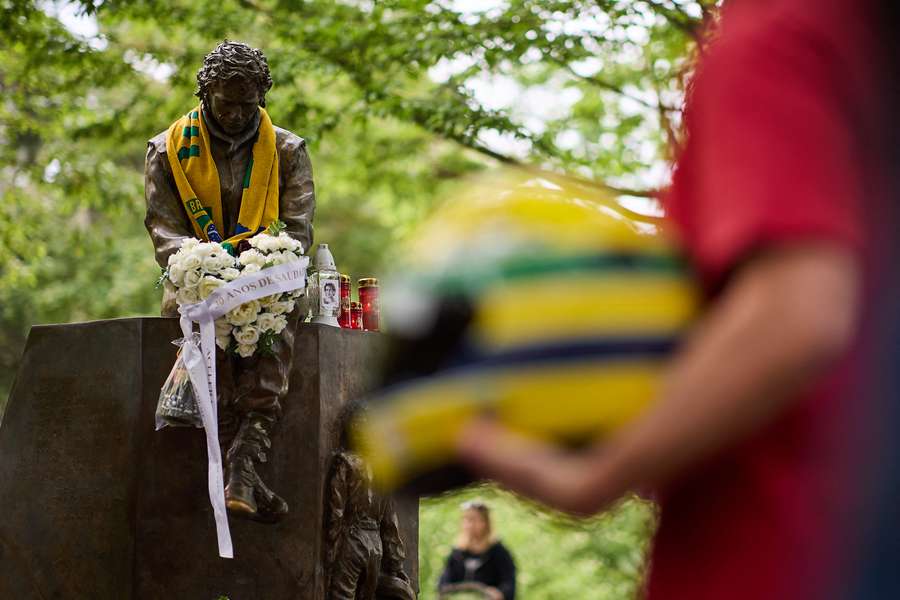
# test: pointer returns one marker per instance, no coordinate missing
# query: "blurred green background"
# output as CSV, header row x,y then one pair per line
x,y
399,100
598,559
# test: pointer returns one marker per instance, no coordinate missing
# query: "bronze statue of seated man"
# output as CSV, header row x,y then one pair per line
x,y
232,86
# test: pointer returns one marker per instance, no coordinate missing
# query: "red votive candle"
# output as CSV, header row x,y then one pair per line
x,y
356,315
368,298
344,319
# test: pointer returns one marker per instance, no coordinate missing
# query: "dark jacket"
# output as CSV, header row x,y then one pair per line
x,y
494,568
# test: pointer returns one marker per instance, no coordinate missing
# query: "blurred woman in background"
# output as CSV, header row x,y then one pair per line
x,y
479,562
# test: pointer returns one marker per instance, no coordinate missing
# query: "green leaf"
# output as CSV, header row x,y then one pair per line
x,y
276,227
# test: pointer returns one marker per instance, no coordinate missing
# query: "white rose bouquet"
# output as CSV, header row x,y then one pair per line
x,y
257,324
198,268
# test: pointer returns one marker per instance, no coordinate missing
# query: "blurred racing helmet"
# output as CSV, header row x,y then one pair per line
x,y
533,297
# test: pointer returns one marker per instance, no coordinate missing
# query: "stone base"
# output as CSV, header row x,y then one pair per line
x,y
96,504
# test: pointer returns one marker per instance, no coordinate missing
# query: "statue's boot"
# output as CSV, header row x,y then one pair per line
x,y
261,381
245,493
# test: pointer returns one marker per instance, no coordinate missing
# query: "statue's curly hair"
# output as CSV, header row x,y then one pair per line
x,y
234,59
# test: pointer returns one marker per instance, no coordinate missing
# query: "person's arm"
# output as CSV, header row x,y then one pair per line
x,y
507,585
297,197
447,578
166,220
784,318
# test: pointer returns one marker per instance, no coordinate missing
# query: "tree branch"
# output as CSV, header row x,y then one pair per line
x,y
683,21
361,80
672,140
508,160
620,191
601,83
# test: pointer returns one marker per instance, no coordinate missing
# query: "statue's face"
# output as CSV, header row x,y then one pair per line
x,y
233,103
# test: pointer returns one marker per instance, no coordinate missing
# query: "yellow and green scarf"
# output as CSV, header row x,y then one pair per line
x,y
197,179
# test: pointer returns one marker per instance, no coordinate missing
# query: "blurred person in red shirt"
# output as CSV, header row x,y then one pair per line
x,y
757,437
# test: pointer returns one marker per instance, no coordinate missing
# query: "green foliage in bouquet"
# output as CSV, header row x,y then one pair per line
x,y
276,227
265,346
266,343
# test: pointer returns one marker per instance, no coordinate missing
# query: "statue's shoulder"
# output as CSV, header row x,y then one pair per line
x,y
157,161
157,144
288,140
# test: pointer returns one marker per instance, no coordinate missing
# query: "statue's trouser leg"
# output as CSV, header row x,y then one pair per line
x,y
345,577
373,565
351,572
262,381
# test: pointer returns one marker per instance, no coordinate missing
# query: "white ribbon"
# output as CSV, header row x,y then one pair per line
x,y
200,363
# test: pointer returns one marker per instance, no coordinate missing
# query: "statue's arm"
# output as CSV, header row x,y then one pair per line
x,y
297,201
166,220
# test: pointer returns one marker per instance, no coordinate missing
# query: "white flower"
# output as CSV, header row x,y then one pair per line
x,y
187,296
226,261
289,243
265,322
257,242
191,261
280,324
246,350
223,327
189,244
223,341
252,257
246,335
243,314
205,250
191,278
250,269
211,263
176,274
280,308
269,300
230,274
265,243
208,285
280,258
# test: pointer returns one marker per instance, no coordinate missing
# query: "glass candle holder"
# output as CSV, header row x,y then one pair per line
x,y
368,298
356,315
344,318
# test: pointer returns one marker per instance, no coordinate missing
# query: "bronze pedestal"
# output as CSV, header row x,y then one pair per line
x,y
96,504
